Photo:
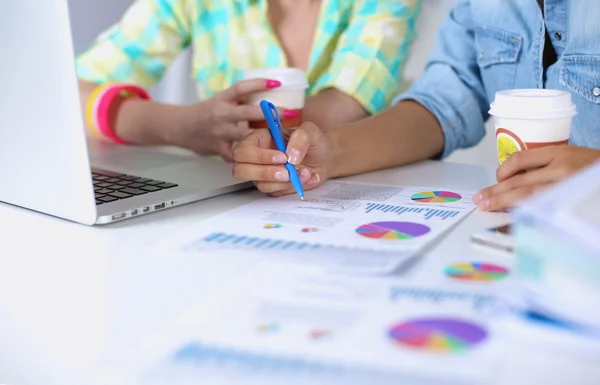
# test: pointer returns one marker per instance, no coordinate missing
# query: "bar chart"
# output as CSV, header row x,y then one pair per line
x,y
428,213
248,242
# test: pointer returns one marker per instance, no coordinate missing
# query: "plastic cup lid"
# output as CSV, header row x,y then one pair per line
x,y
290,78
533,104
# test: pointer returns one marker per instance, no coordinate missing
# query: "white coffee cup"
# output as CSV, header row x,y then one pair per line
x,y
290,95
531,118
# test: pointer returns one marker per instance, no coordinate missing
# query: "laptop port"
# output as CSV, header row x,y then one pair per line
x,y
146,209
135,212
119,216
160,206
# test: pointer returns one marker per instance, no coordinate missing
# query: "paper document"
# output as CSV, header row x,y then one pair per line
x,y
338,214
291,324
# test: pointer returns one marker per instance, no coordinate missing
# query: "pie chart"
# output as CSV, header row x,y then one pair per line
x,y
436,197
476,271
438,335
392,231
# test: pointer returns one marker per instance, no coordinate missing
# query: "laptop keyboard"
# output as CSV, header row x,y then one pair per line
x,y
111,186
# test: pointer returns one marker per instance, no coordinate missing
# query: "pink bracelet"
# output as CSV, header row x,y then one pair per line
x,y
103,102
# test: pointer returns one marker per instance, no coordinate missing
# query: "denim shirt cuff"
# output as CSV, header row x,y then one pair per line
x,y
452,103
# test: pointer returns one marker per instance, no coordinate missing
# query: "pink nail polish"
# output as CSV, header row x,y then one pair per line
x,y
273,83
290,114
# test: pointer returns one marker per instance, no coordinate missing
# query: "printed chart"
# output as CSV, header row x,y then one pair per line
x,y
428,213
438,335
320,334
436,197
393,231
279,319
267,328
476,271
341,215
257,243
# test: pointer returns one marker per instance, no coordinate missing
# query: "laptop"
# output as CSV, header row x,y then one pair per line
x,y
47,163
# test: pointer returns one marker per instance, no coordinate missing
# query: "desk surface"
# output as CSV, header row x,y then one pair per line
x,y
70,293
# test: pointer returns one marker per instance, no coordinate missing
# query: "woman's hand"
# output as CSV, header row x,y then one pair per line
x,y
214,125
257,159
527,172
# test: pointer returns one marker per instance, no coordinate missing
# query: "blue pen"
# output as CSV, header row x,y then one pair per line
x,y
275,128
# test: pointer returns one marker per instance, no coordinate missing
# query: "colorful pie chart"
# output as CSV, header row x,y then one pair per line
x,y
267,328
392,231
436,197
476,271
438,335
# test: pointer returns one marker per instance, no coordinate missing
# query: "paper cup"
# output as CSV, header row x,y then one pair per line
x,y
290,95
531,118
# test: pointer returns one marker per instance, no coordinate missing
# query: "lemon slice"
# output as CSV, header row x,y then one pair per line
x,y
506,147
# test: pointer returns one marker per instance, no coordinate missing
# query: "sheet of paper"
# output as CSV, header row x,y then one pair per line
x,y
282,323
338,214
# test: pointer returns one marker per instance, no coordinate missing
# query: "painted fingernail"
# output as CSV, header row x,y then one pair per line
x,y
294,156
314,179
304,175
484,204
281,176
273,83
477,198
279,158
290,114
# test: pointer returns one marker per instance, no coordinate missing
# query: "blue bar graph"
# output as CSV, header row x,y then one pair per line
x,y
229,358
428,213
246,242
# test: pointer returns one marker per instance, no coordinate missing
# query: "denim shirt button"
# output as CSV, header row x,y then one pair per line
x,y
596,91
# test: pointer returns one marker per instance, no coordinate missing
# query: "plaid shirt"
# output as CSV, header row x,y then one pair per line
x,y
360,46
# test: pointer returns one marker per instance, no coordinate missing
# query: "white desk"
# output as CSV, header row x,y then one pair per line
x,y
70,293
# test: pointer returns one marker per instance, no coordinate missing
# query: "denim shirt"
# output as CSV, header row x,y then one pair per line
x,y
485,46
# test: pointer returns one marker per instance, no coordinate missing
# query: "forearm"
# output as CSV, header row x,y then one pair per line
x,y
332,107
402,134
141,121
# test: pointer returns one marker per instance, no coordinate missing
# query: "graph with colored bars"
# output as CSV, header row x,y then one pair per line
x,y
252,243
428,213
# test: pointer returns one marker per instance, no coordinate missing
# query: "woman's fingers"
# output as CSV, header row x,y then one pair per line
x,y
298,146
278,174
284,188
256,148
244,88
245,112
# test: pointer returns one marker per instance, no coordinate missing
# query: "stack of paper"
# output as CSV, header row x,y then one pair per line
x,y
298,325
558,247
334,219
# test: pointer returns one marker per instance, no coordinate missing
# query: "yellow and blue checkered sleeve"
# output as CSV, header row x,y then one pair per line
x,y
140,47
372,51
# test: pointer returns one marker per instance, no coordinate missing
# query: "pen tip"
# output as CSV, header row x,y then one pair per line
x,y
302,198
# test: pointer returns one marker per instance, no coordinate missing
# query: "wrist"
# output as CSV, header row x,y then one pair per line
x,y
334,160
182,120
104,105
